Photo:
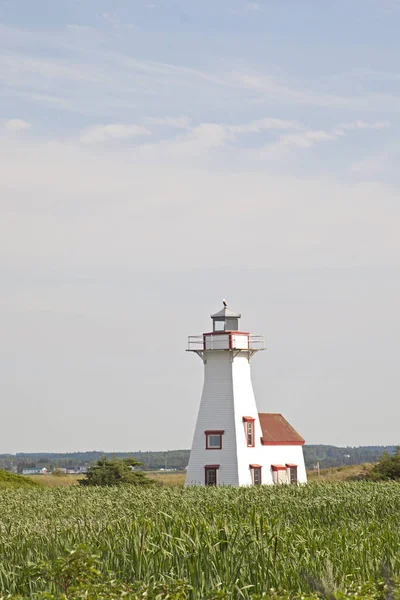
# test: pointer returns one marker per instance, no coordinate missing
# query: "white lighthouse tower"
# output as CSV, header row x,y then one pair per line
x,y
233,444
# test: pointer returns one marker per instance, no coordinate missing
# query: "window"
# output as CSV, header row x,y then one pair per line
x,y
292,473
249,430
279,473
214,439
256,474
219,325
250,433
211,474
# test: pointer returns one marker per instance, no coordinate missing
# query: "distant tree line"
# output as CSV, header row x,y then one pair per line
x,y
327,456
333,456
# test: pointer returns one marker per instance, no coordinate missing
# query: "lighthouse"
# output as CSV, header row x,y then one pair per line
x,y
233,444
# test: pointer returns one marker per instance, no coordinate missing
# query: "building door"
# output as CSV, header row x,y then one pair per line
x,y
211,476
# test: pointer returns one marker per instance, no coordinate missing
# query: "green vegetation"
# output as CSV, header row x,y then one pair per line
x,y
114,471
9,480
155,542
388,467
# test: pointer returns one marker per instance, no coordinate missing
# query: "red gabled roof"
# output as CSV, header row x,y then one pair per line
x,y
277,431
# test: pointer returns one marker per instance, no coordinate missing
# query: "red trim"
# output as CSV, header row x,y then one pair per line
x,y
274,443
291,465
255,466
225,332
278,467
246,419
211,466
219,432
230,340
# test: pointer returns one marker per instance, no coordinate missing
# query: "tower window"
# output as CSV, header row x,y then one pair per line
x,y
279,473
214,439
249,430
211,474
256,474
292,472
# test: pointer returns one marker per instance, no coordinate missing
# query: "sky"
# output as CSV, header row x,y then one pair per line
x,y
157,156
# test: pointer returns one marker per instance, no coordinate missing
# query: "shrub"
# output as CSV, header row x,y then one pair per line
x,y
115,471
388,467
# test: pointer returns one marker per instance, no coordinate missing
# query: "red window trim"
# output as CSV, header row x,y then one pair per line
x,y
247,419
291,465
274,443
211,431
211,466
219,432
278,467
255,466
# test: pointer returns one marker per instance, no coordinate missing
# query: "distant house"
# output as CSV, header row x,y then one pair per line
x,y
76,470
35,471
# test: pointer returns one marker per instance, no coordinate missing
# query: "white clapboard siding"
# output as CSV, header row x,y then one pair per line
x,y
216,412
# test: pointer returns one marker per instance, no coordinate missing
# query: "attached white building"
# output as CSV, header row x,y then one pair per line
x,y
233,444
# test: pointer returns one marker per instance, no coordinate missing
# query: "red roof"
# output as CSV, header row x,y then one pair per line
x,y
277,431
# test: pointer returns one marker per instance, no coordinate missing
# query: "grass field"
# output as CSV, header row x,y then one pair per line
x,y
340,474
170,479
55,480
200,543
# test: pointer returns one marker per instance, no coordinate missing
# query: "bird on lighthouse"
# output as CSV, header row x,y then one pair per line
x,y
224,302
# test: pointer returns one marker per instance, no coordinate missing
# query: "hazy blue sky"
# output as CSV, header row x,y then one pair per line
x,y
159,155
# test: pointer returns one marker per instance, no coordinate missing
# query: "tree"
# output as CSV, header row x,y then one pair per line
x,y
388,467
115,471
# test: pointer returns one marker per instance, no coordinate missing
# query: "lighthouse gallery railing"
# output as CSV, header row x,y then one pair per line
x,y
197,342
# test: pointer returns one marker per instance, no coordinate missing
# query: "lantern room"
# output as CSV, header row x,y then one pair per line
x,y
225,320
226,336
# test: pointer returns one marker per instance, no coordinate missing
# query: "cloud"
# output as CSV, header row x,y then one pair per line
x,y
371,166
14,69
63,205
178,122
308,139
103,133
17,125
265,124
197,140
340,129
274,90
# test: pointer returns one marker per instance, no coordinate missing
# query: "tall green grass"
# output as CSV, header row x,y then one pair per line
x,y
241,541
